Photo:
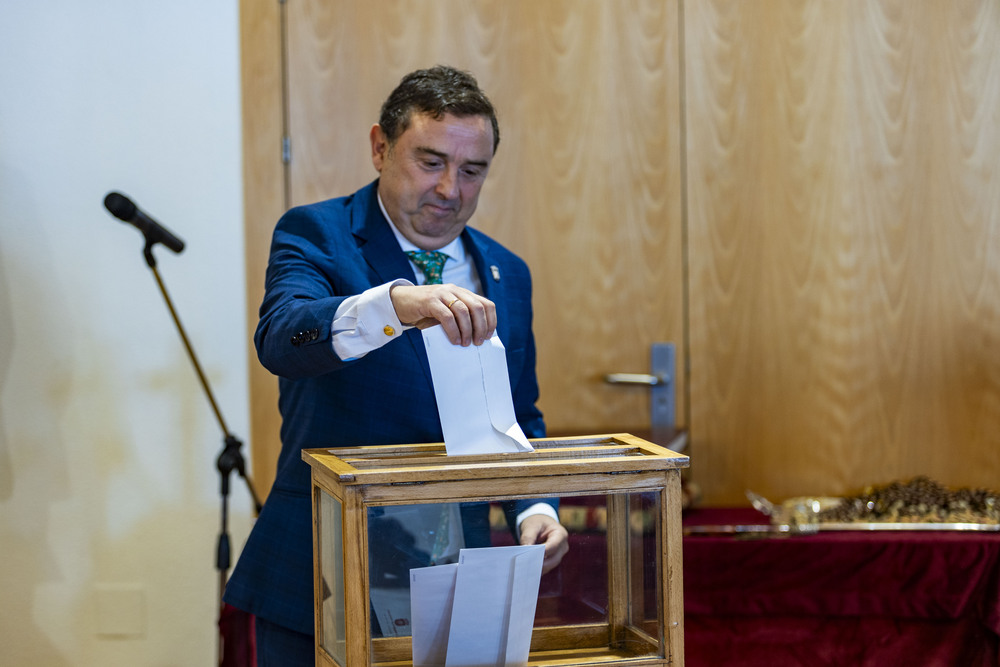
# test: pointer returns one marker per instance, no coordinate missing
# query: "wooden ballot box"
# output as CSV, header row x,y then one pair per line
x,y
616,598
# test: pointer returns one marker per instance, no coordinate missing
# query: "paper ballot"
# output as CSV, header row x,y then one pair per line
x,y
478,612
432,592
473,396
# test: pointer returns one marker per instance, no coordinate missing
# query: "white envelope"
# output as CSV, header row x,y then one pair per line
x,y
479,612
432,592
493,612
473,396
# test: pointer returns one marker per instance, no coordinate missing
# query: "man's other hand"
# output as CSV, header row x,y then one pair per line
x,y
543,529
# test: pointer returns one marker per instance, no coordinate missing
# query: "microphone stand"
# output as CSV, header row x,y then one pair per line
x,y
229,460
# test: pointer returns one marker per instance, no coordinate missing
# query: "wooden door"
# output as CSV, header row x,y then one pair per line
x,y
585,185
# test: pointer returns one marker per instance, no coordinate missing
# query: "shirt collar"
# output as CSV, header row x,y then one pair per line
x,y
455,250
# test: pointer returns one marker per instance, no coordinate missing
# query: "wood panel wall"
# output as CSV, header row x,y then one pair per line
x,y
802,195
844,228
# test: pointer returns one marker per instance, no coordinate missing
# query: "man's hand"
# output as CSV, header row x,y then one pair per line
x,y
467,318
543,529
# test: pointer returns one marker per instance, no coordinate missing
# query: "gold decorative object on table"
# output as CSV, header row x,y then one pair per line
x,y
918,504
638,483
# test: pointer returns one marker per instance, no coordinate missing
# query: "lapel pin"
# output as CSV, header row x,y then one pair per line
x,y
495,270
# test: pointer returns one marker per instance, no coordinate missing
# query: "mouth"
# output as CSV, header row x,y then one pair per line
x,y
440,209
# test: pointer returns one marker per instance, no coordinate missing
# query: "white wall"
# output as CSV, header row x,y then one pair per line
x,y
109,502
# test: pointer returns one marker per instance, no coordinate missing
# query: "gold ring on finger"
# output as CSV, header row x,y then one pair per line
x,y
452,302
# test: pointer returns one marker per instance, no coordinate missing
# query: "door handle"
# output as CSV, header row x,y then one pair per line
x,y
636,378
660,380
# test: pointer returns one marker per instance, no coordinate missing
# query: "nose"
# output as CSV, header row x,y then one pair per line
x,y
447,185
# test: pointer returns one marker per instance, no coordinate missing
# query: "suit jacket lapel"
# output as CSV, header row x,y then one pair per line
x,y
375,239
490,278
381,251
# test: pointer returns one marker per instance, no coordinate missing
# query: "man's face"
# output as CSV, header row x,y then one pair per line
x,y
430,180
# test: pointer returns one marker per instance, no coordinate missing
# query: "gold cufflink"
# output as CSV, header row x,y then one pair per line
x,y
389,331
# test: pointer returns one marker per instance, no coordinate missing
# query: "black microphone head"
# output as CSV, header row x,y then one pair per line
x,y
120,206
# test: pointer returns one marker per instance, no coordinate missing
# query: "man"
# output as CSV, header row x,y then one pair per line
x,y
340,325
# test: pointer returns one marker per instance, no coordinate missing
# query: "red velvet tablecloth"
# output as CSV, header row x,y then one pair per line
x,y
840,598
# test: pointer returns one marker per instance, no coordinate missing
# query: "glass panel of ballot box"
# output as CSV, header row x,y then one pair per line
x,y
614,599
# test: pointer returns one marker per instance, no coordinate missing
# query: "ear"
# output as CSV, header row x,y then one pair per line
x,y
380,146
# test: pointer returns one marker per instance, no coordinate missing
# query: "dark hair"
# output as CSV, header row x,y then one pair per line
x,y
436,91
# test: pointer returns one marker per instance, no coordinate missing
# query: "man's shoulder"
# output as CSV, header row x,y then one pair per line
x,y
332,221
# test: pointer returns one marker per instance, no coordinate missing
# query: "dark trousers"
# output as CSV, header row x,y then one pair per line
x,y
278,646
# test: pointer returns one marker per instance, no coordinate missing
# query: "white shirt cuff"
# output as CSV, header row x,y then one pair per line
x,y
537,508
365,322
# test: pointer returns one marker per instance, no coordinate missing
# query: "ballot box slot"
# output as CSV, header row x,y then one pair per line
x,y
367,462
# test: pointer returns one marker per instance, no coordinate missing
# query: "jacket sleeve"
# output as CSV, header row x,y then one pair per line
x,y
301,297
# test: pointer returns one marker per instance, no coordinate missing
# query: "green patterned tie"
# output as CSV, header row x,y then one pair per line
x,y
431,263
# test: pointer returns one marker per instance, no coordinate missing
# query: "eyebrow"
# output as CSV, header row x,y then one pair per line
x,y
444,156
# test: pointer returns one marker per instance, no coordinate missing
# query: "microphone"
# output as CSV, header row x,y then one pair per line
x,y
122,208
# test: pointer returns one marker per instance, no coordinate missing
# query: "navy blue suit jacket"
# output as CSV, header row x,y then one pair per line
x,y
321,254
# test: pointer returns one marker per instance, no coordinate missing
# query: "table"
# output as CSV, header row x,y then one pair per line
x,y
845,598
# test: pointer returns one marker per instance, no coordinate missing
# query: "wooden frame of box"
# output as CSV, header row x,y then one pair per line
x,y
347,482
